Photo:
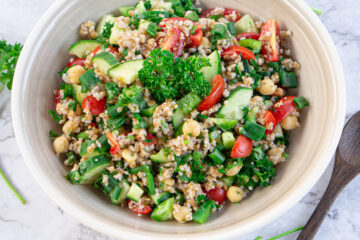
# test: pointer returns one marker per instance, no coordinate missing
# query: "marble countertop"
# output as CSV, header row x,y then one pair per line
x,y
41,219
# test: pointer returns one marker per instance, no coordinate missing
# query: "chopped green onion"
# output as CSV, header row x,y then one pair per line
x,y
192,16
217,156
22,200
213,135
83,135
288,79
253,131
251,43
152,29
286,233
301,102
231,28
317,11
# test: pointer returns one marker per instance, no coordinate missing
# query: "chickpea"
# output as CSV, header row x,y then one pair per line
x,y
192,128
61,144
289,123
75,73
169,182
267,87
275,154
205,43
233,171
69,127
130,157
235,194
182,213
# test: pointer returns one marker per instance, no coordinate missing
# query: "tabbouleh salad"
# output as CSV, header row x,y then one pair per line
x,y
170,109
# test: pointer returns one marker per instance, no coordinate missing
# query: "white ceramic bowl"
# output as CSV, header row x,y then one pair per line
x,y
312,146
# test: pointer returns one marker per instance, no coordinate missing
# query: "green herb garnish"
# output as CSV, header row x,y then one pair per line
x,y
9,55
57,117
7,181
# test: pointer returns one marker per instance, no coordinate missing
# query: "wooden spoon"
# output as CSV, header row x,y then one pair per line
x,y
347,167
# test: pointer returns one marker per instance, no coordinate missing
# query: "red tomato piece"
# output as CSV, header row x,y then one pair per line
x,y
242,147
248,35
245,53
96,50
270,120
229,11
150,139
270,36
216,194
115,146
95,106
77,61
173,42
113,49
283,108
217,89
143,210
206,13
195,39
57,98
92,125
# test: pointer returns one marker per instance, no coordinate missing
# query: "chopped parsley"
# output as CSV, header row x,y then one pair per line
x,y
67,90
112,90
57,117
170,78
53,134
9,55
89,81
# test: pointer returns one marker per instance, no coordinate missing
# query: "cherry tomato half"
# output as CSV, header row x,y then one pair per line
x,y
269,119
248,35
217,194
57,98
217,89
228,11
283,108
113,49
270,36
95,106
134,206
242,147
173,42
77,61
195,39
245,53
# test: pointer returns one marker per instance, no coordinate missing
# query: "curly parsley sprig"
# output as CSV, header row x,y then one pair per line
x,y
9,55
169,78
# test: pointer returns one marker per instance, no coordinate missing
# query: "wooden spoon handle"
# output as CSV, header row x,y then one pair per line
x,y
340,178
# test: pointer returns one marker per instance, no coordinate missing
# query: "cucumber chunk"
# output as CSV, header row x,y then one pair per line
x,y
135,192
77,94
228,139
126,72
141,7
115,34
204,212
158,198
224,124
83,47
89,170
163,211
245,24
106,18
104,61
161,156
185,106
214,69
236,102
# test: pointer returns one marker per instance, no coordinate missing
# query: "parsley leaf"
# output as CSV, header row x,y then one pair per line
x,y
169,78
9,55
53,134
72,106
89,81
67,90
57,117
107,29
142,123
112,90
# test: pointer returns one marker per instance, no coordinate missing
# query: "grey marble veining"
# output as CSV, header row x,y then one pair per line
x,y
41,219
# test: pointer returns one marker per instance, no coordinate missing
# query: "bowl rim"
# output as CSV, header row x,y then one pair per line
x,y
267,215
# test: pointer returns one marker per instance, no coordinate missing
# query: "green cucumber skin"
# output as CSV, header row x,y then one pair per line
x,y
80,48
77,94
127,71
236,102
135,192
210,72
104,61
163,211
185,106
